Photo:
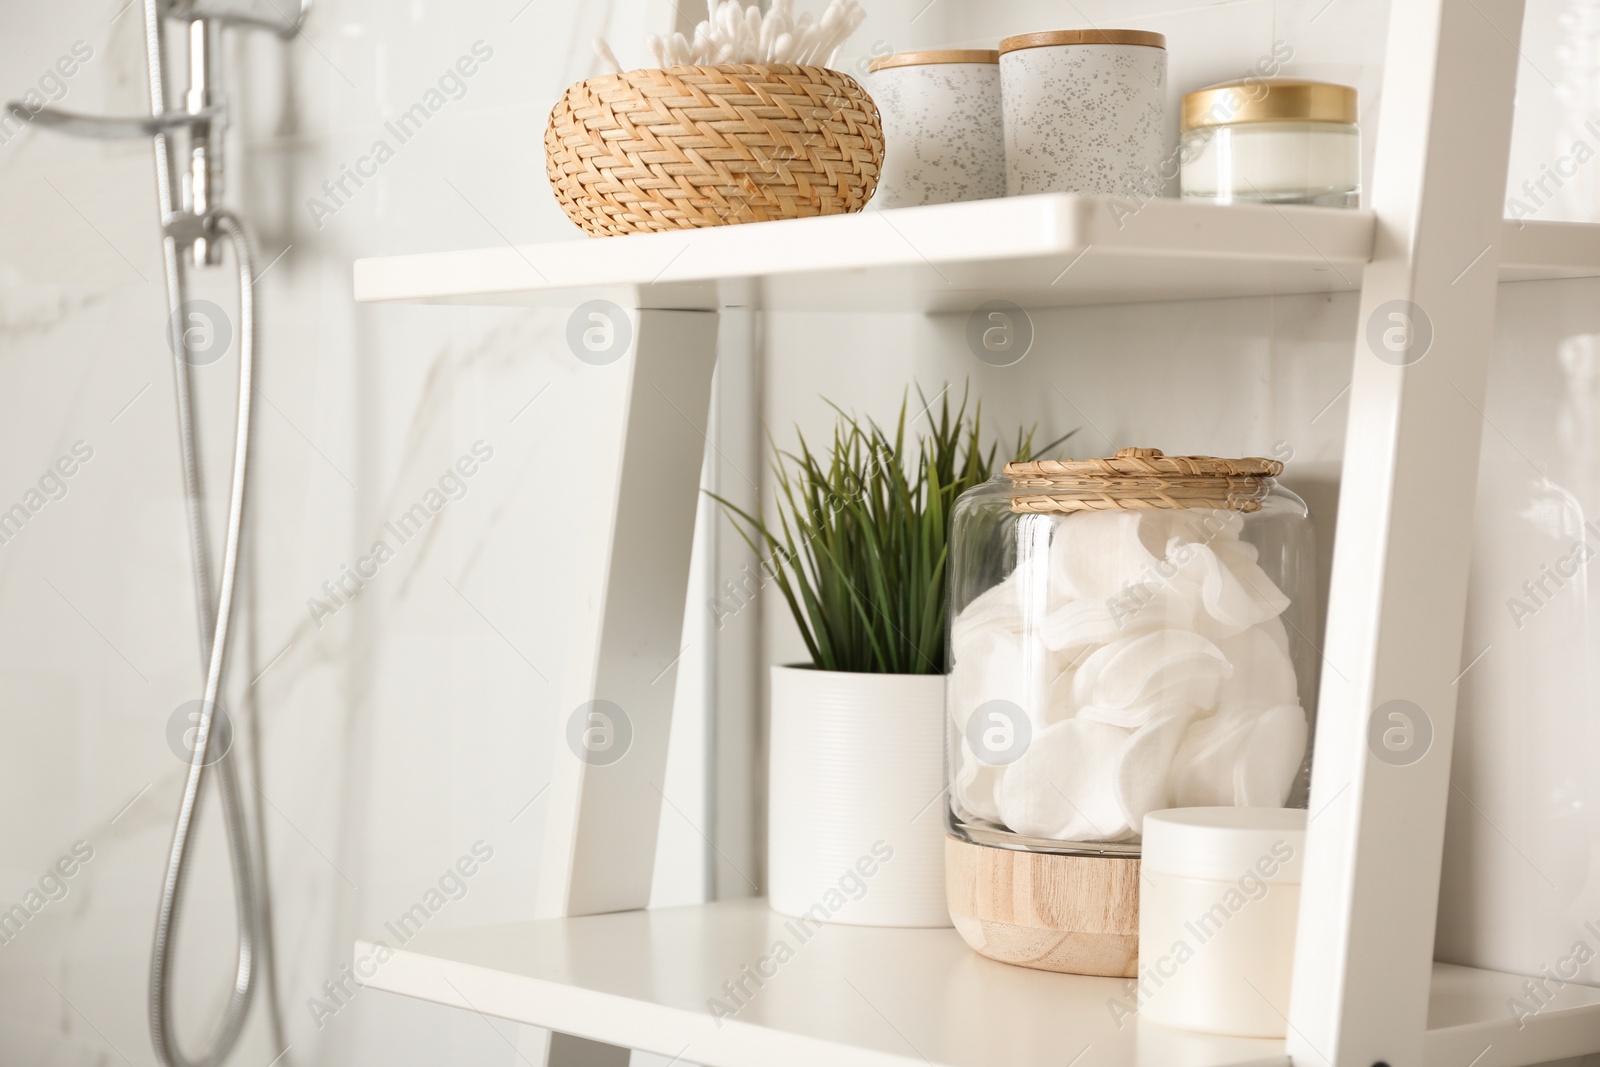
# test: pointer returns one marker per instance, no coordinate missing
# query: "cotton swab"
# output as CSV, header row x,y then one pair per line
x,y
607,57
734,34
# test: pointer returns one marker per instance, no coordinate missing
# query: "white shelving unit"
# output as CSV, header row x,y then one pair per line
x,y
857,996
1046,250
606,975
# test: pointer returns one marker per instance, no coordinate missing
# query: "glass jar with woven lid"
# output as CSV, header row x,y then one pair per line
x,y
1127,634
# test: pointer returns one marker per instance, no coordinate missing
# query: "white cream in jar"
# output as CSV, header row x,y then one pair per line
x,y
1272,141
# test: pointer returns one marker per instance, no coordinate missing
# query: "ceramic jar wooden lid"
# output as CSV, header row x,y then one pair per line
x,y
1051,38
1084,111
926,59
942,126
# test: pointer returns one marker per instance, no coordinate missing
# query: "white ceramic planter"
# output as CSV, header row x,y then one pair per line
x,y
855,830
941,127
1083,111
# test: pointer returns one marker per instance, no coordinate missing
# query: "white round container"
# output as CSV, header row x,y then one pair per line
x,y
1272,141
1218,904
855,830
941,127
1083,111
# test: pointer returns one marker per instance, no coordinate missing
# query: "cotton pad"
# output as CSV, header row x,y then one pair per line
x,y
1262,672
1078,624
1168,664
1093,554
1145,763
997,664
1169,603
1063,786
1164,704
1274,629
996,608
1270,758
1202,766
1194,525
992,665
1234,591
977,785
1058,698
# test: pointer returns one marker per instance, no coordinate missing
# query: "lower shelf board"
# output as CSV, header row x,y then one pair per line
x,y
732,984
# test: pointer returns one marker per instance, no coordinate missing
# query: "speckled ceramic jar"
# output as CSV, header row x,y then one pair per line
x,y
1083,111
941,127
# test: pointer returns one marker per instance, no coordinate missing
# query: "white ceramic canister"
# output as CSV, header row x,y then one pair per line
x,y
941,127
1218,904
1083,111
855,830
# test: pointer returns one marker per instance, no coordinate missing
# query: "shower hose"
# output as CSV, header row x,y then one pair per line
x,y
214,612
214,607
214,616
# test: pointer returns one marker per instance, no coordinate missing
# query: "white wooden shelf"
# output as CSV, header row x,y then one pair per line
x,y
1050,249
873,997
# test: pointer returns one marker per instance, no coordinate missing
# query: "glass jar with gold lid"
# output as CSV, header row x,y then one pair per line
x,y
1280,141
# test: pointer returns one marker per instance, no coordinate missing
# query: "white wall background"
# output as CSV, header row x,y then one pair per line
x,y
413,722
416,721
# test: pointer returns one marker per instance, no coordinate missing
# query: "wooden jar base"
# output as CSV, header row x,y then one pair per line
x,y
1073,914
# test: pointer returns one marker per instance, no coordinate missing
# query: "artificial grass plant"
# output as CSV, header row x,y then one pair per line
x,y
861,541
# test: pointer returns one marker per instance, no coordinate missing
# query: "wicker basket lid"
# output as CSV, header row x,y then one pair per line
x,y
1140,479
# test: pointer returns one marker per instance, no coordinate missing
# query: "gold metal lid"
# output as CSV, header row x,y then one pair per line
x,y
1047,38
924,59
1268,100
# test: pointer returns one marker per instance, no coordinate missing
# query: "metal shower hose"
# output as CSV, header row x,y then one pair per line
x,y
215,631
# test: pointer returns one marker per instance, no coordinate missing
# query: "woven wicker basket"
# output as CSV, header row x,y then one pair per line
x,y
685,147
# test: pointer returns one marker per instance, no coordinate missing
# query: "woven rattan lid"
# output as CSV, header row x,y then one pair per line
x,y
1140,479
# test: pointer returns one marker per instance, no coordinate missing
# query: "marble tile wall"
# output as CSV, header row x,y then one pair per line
x,y
397,727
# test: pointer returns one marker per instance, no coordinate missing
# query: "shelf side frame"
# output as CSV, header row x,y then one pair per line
x,y
1396,615
604,807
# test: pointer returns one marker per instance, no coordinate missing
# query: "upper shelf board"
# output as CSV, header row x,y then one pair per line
x,y
1036,251
1055,248
709,984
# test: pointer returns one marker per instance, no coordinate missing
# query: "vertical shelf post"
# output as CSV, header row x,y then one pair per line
x,y
609,747
1393,650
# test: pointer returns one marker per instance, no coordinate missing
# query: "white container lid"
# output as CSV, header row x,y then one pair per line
x,y
1225,844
